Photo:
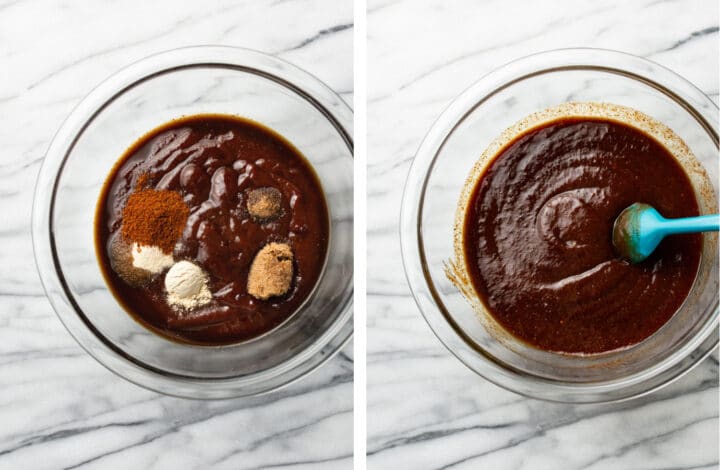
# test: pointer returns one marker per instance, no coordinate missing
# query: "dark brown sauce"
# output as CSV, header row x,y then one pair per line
x,y
221,158
537,236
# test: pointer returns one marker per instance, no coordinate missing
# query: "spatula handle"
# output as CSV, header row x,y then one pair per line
x,y
703,223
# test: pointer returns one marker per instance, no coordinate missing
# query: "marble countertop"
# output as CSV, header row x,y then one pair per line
x,y
58,407
425,409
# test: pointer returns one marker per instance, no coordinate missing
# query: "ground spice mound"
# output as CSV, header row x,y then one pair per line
x,y
265,204
121,260
152,217
271,271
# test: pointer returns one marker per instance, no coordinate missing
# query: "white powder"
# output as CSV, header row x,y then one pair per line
x,y
186,285
150,258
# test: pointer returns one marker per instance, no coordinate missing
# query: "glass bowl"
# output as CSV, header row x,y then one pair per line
x,y
437,176
135,100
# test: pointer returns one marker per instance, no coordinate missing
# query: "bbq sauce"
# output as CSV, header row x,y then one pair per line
x,y
537,236
214,162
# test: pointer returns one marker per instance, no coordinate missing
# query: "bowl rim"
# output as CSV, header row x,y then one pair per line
x,y
412,247
295,79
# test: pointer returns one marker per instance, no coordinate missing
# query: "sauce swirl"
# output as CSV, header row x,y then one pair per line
x,y
537,236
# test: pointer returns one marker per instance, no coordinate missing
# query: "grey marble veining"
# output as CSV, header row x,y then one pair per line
x,y
58,407
425,409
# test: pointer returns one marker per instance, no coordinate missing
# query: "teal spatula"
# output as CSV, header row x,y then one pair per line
x,y
640,228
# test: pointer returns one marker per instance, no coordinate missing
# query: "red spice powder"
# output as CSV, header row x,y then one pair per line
x,y
153,217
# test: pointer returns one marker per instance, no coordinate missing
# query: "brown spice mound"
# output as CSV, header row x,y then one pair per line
x,y
271,271
121,261
152,217
264,203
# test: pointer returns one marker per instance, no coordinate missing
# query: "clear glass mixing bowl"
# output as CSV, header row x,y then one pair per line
x,y
127,105
438,173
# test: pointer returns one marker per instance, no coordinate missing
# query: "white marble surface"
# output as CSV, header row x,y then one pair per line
x,y
58,407
425,409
